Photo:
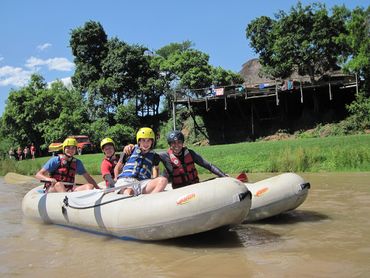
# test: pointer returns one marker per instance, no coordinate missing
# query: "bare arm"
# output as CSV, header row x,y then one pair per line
x,y
127,150
117,169
43,174
155,171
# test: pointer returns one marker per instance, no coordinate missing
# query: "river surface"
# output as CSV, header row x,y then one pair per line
x,y
327,236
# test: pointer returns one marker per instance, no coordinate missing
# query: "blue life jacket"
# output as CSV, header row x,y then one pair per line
x,y
139,165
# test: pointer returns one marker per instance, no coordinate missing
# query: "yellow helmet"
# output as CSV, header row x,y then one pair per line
x,y
106,141
145,132
69,142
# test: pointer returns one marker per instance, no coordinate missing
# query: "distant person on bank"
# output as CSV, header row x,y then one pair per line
x,y
33,151
63,168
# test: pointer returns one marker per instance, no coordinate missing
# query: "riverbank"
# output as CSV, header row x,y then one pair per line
x,y
329,154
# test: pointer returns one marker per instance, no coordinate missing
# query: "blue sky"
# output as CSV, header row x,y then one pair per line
x,y
35,34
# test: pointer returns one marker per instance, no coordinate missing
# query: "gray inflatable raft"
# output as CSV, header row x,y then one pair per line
x,y
173,213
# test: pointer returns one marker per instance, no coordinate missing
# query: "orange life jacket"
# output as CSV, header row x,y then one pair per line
x,y
184,172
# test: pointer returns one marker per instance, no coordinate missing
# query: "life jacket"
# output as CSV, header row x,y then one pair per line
x,y
66,172
112,163
184,172
138,165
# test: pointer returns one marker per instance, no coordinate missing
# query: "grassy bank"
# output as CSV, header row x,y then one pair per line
x,y
330,154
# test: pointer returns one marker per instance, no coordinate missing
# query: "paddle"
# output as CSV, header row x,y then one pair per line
x,y
14,178
92,196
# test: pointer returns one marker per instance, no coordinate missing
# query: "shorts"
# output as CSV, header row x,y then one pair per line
x,y
136,185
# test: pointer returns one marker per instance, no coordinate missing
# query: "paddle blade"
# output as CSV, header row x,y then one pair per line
x,y
14,178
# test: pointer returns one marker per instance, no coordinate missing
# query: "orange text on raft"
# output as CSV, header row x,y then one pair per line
x,y
261,191
185,199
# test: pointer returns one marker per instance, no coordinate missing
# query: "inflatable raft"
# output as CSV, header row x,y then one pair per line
x,y
276,195
189,210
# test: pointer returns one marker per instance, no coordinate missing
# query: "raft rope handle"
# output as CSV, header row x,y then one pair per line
x,y
66,204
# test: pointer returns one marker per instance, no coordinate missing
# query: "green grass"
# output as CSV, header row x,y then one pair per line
x,y
329,154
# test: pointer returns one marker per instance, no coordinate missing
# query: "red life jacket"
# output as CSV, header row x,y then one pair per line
x,y
66,170
184,172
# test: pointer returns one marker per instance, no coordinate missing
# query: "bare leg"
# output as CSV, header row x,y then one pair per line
x,y
58,187
156,185
87,186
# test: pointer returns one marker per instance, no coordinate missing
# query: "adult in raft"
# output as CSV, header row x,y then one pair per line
x,y
59,171
179,162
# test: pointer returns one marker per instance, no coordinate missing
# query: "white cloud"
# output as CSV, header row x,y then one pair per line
x,y
18,76
67,82
61,64
42,47
14,76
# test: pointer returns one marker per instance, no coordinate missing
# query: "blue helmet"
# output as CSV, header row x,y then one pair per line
x,y
175,135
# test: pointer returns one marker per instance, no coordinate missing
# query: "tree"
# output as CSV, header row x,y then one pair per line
x,y
222,77
40,115
356,41
305,40
88,44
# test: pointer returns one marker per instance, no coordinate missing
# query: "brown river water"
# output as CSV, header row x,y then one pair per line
x,y
327,236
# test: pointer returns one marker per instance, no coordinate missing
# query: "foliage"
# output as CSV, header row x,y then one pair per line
x,y
304,40
360,113
222,77
357,122
108,71
88,44
121,134
342,153
28,118
126,115
185,123
357,41
97,130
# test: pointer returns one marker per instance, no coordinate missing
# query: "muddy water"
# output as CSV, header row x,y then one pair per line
x,y
327,236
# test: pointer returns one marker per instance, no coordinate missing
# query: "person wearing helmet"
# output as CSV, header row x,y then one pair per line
x,y
110,160
60,171
141,165
180,161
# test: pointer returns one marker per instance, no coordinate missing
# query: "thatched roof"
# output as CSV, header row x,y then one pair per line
x,y
251,74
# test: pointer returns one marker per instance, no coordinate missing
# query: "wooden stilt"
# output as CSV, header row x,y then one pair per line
x,y
300,87
276,93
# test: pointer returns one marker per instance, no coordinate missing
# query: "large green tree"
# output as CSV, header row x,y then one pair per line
x,y
357,43
305,40
38,114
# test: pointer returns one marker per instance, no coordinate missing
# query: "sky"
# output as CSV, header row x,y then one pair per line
x,y
35,34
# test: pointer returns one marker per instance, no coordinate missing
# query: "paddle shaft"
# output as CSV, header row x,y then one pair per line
x,y
66,183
